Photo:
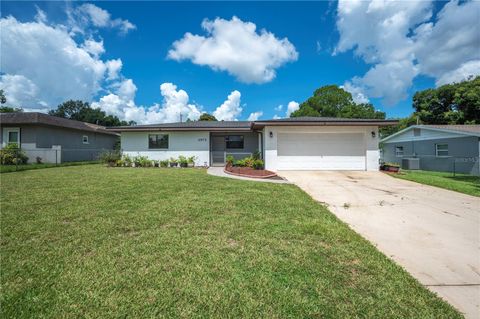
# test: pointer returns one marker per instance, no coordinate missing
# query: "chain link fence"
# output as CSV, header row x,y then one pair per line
x,y
13,159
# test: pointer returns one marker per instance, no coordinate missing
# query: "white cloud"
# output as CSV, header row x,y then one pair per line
x,y
175,105
49,59
40,16
113,68
93,47
292,107
88,13
357,92
400,41
254,116
230,109
236,47
276,117
279,108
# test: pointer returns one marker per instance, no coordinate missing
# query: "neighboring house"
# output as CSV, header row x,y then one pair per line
x,y
445,148
305,143
55,139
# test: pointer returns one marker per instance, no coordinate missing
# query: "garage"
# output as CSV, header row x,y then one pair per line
x,y
321,151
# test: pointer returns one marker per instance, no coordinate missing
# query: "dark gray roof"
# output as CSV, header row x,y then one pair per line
x,y
248,125
187,126
44,119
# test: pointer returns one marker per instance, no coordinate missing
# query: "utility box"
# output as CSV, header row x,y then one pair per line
x,y
411,163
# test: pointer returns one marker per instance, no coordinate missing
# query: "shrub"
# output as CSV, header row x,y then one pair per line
x,y
164,163
183,161
11,155
110,157
256,155
230,160
258,164
191,160
142,161
173,162
127,161
246,162
38,159
391,164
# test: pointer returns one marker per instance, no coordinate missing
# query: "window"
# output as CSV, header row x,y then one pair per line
x,y
85,139
398,151
234,141
158,141
13,137
441,149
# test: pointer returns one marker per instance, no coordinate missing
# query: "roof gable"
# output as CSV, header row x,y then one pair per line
x,y
431,132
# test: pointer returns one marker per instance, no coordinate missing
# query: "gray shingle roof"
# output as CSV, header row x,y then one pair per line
x,y
44,119
471,128
249,125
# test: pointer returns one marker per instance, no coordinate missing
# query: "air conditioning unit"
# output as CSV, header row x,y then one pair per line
x,y
411,163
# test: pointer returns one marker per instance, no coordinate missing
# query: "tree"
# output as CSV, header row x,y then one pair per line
x,y
457,103
82,111
403,123
333,101
3,99
207,117
7,109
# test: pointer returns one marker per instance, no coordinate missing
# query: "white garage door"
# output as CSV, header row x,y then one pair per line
x,y
321,151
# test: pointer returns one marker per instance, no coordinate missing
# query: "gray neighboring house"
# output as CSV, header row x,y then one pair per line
x,y
55,139
444,148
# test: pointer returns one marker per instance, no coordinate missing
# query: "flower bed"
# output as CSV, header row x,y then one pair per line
x,y
249,172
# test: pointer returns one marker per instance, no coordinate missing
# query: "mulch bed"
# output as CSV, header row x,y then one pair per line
x,y
249,172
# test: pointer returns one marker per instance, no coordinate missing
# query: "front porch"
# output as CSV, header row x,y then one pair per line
x,y
236,144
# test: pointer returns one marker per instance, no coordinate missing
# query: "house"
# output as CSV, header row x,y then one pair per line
x,y
304,143
447,148
53,139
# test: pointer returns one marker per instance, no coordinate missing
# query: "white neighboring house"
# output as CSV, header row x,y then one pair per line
x,y
302,143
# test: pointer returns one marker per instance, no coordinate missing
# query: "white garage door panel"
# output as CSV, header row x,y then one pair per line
x,y
321,151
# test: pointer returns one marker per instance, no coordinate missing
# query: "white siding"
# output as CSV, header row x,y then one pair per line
x,y
179,143
317,148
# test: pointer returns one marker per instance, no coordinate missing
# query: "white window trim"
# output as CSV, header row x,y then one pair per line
x,y
83,139
6,134
396,153
437,150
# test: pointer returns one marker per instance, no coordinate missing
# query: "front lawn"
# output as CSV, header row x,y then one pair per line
x,y
25,167
466,184
91,241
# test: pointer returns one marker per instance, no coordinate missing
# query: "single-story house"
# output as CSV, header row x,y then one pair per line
x,y
303,143
55,139
447,148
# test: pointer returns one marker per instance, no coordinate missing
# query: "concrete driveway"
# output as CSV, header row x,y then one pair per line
x,y
431,232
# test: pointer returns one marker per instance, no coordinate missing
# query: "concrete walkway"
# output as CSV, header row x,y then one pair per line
x,y
218,171
433,233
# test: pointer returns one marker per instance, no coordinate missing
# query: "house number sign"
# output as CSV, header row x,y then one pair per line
x,y
202,139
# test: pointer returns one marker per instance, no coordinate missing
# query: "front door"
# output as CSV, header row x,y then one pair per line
x,y
218,150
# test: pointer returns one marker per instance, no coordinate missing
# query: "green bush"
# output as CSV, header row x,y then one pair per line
x,y
110,157
142,161
256,155
11,155
164,163
258,164
230,160
191,160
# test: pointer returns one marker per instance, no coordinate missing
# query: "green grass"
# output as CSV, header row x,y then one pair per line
x,y
25,167
466,184
91,241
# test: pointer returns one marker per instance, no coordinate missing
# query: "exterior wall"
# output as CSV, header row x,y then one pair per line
x,y
57,144
179,143
370,143
460,146
250,143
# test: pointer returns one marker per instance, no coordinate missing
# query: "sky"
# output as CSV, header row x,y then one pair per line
x,y
154,62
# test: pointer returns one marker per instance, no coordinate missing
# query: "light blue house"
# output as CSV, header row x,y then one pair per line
x,y
447,148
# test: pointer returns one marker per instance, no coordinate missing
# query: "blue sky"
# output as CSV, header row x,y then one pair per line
x,y
323,53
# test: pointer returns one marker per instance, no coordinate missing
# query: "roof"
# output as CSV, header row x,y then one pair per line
x,y
44,119
249,125
189,126
332,121
466,129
